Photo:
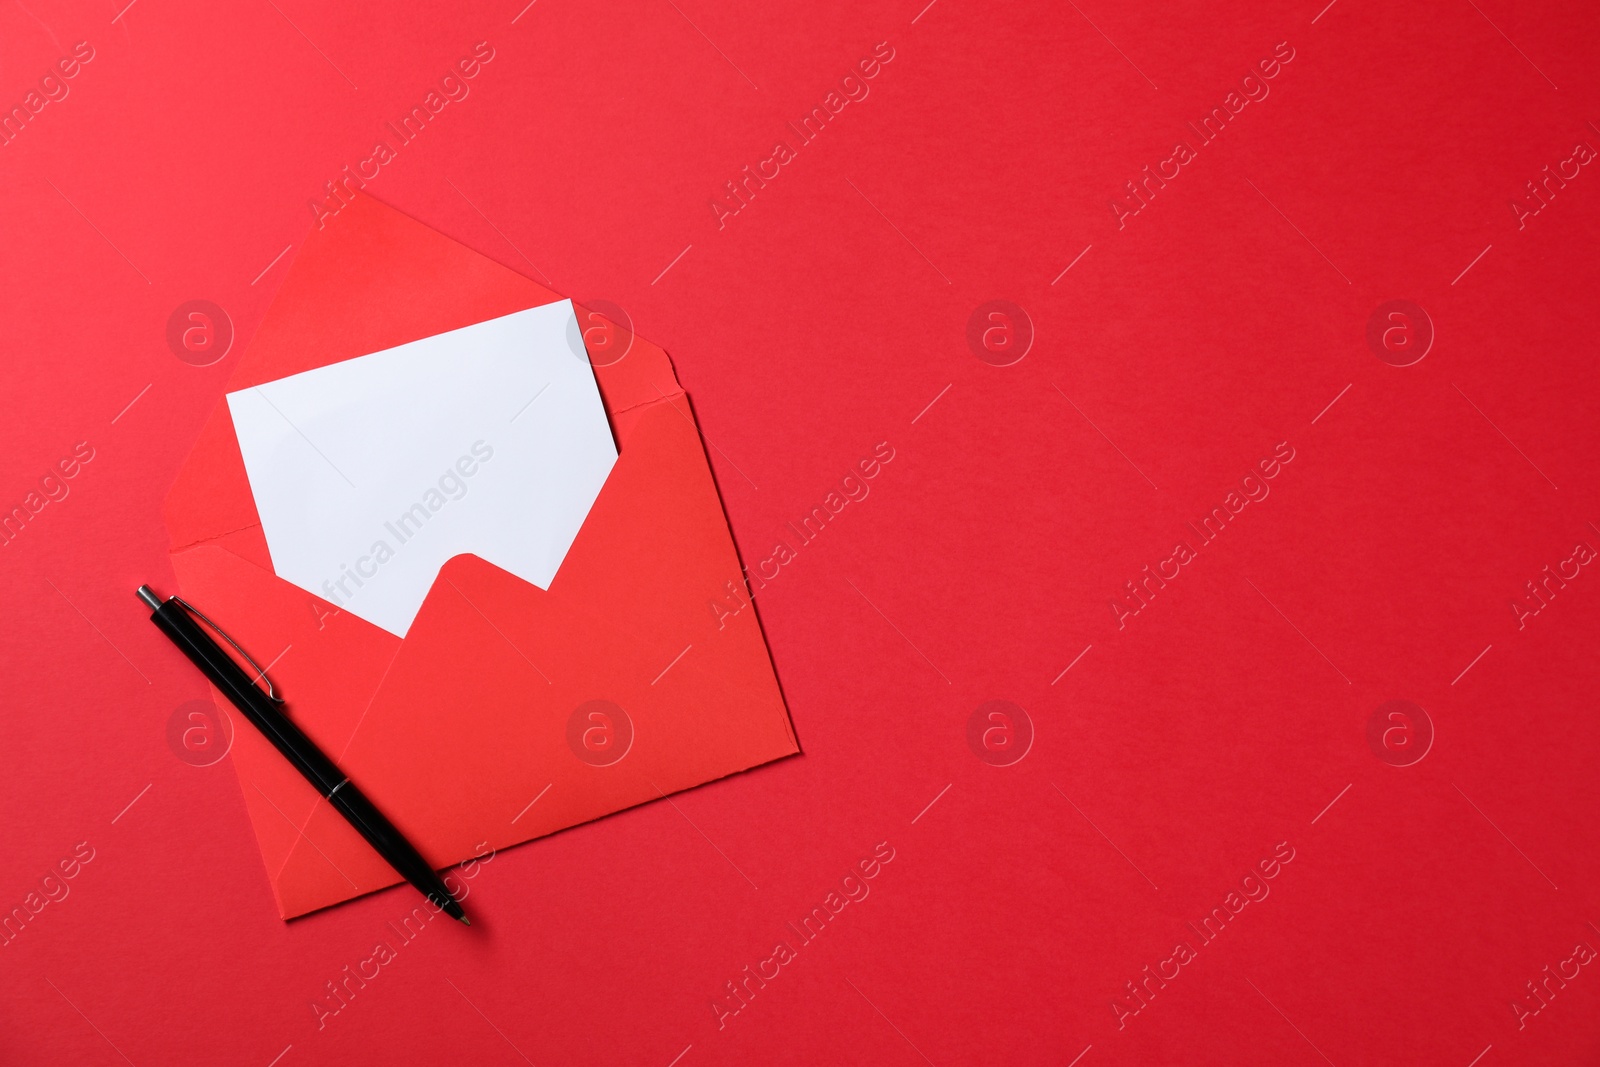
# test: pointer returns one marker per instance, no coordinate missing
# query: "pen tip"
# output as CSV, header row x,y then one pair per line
x,y
466,921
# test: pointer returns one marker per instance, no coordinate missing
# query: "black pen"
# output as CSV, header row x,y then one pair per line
x,y
262,709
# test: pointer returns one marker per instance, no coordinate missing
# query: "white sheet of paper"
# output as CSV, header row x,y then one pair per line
x,y
370,473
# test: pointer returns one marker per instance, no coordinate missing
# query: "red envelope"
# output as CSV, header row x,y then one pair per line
x,y
507,712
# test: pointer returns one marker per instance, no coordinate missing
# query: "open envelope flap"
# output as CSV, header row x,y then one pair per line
x,y
371,279
640,577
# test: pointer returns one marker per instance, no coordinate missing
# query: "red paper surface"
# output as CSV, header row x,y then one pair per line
x,y
1244,711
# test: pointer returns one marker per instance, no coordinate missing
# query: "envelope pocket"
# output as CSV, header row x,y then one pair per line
x,y
469,744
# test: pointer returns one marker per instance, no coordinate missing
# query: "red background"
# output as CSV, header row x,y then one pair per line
x,y
820,320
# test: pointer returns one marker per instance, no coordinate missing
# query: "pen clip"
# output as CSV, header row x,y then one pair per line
x,y
261,672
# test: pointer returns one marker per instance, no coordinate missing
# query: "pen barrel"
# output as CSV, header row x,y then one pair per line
x,y
393,846
244,694
242,691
